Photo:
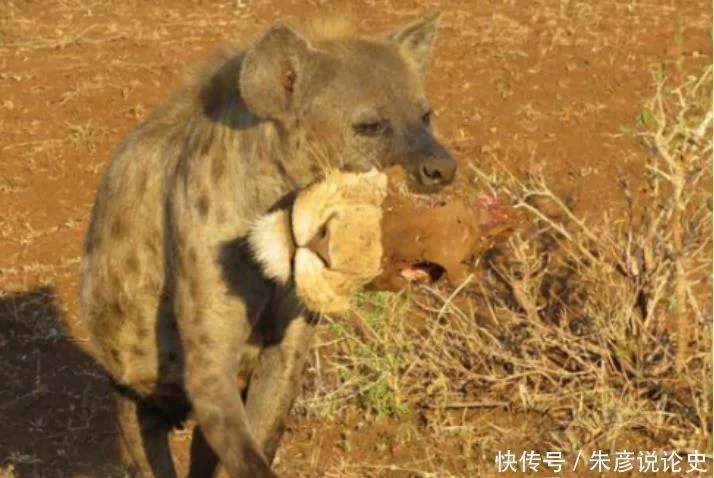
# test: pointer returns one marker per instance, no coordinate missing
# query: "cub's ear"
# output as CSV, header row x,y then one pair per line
x,y
416,39
271,70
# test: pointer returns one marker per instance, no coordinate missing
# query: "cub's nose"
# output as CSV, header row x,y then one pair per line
x,y
437,171
320,245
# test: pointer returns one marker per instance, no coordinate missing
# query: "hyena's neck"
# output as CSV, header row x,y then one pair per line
x,y
255,167
281,168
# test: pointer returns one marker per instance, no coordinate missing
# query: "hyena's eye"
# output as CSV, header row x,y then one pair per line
x,y
371,128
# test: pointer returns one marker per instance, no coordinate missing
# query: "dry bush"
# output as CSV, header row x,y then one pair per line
x,y
602,329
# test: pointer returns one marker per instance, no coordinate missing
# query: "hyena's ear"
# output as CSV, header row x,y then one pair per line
x,y
416,39
271,70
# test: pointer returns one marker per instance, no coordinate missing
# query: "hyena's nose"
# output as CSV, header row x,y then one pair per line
x,y
437,171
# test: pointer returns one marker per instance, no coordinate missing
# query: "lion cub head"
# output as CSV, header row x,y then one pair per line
x,y
329,241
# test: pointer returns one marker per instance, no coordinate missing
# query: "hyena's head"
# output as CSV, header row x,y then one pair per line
x,y
349,102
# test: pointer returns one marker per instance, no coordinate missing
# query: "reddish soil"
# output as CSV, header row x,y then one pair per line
x,y
548,84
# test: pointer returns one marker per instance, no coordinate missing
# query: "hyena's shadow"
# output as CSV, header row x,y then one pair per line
x,y
56,409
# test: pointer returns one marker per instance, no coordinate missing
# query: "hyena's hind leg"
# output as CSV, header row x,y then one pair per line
x,y
204,461
144,431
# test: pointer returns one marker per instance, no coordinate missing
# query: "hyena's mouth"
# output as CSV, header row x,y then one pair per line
x,y
420,199
414,186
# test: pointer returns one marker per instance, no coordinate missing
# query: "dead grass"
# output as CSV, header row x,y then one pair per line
x,y
600,328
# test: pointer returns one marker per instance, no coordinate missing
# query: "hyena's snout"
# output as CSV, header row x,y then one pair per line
x,y
433,168
437,172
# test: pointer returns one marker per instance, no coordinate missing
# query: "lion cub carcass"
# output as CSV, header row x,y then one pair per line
x,y
328,243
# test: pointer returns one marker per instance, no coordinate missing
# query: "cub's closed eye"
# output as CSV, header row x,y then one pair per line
x,y
370,128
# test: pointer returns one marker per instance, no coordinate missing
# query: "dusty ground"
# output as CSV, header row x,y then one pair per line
x,y
548,84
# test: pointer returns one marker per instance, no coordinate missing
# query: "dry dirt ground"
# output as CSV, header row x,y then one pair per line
x,y
548,84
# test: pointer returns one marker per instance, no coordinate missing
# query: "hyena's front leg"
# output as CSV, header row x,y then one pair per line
x,y
276,379
214,325
210,349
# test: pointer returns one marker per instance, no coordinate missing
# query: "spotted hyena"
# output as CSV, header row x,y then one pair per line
x,y
179,313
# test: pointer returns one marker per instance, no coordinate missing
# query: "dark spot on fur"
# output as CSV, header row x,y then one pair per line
x,y
192,255
218,168
142,333
180,242
193,287
203,205
132,264
151,243
204,340
210,380
137,351
196,361
281,168
118,227
206,144
115,308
